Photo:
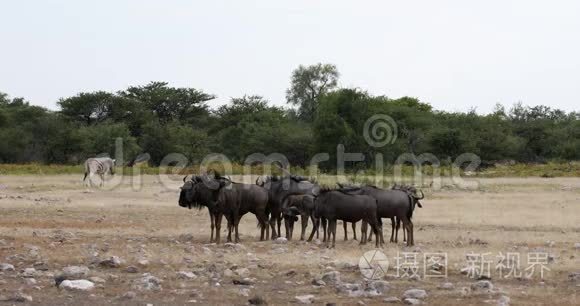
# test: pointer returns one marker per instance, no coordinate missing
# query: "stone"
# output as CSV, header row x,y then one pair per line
x,y
244,292
186,275
447,286
77,285
577,245
332,277
392,299
21,298
318,282
30,281
29,272
411,301
148,282
143,262
482,285
257,300
228,273
75,271
129,295
111,262
503,301
131,269
415,294
4,267
98,280
304,299
243,272
380,286
281,240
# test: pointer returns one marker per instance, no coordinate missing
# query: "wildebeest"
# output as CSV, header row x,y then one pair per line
x,y
279,188
304,207
192,197
333,205
412,192
226,198
100,166
394,203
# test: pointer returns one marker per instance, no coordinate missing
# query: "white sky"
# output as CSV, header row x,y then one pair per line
x,y
452,54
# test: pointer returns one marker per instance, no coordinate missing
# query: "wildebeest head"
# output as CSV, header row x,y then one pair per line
x,y
187,193
412,192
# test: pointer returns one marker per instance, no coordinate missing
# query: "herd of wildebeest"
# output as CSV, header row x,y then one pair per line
x,y
276,198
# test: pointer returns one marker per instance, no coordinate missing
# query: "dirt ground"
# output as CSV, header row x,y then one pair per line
x,y
51,222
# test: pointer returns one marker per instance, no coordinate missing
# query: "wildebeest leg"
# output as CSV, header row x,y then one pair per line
x,y
404,233
273,224
332,231
345,231
262,220
237,219
380,224
230,227
218,226
314,228
393,230
408,226
211,219
363,230
376,228
279,221
324,230
354,230
314,222
304,220
370,237
411,234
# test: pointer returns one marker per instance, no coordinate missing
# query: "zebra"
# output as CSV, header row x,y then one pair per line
x,y
99,165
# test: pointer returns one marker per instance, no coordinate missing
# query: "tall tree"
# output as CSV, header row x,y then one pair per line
x,y
308,84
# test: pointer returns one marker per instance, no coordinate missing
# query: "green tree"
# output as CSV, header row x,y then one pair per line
x,y
308,84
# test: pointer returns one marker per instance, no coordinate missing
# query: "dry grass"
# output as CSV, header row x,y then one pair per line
x,y
505,214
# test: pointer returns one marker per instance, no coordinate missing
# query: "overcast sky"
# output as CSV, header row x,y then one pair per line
x,y
452,54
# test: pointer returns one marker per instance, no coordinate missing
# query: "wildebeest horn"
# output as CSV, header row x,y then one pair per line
x,y
422,195
340,185
283,169
185,178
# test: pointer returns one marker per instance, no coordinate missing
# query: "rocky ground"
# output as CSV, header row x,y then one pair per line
x,y
63,244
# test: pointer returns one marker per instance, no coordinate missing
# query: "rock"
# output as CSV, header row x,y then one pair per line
x,y
148,282
30,281
503,301
98,280
186,275
380,286
447,286
21,298
243,282
75,271
186,237
129,295
415,294
228,273
482,285
304,299
574,276
392,299
4,267
29,272
77,285
332,277
550,244
318,282
143,262
131,269
111,262
411,301
243,272
244,292
577,245
257,300
281,240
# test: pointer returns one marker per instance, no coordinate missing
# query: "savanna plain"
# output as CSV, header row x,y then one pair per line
x,y
138,247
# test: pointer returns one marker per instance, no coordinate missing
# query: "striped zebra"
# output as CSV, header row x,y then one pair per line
x,y
100,166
